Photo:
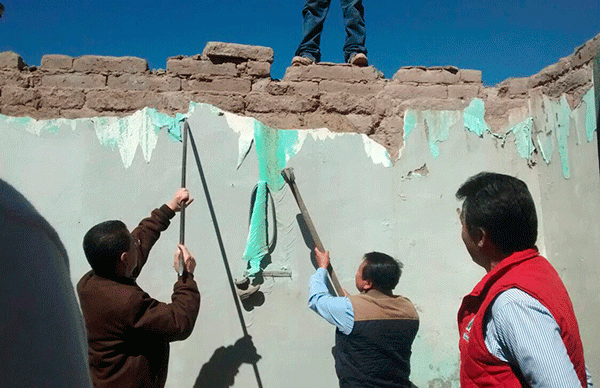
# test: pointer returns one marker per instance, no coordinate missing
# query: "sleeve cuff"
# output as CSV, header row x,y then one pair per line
x,y
322,271
186,277
167,210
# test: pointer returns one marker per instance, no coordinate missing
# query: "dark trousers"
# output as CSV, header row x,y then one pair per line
x,y
314,14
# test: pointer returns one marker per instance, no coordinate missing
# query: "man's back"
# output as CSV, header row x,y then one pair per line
x,y
118,354
377,351
129,332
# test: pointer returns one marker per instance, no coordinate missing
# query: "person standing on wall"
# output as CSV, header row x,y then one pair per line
x,y
517,327
128,331
375,329
314,14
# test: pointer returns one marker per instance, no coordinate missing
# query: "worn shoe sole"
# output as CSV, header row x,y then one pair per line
x,y
359,59
302,61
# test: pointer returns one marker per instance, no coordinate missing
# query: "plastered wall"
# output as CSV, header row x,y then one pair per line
x,y
81,172
384,180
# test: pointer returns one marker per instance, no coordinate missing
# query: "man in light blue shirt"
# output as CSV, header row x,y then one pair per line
x,y
375,329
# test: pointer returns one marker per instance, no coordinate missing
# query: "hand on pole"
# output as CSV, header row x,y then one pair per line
x,y
180,200
322,258
189,263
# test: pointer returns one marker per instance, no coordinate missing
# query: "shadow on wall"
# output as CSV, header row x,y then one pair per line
x,y
223,366
310,244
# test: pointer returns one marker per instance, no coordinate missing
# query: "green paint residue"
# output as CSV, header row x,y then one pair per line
x,y
157,121
52,127
256,244
105,138
439,124
545,139
596,78
174,126
563,114
523,141
410,122
19,120
274,148
35,126
474,117
590,114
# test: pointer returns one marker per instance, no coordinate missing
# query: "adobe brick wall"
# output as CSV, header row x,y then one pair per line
x,y
236,78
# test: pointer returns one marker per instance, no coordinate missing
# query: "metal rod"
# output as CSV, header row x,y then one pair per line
x,y
222,247
184,132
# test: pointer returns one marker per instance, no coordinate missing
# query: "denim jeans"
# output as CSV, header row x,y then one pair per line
x,y
314,14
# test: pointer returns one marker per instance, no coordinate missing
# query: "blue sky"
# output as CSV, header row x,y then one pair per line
x,y
510,38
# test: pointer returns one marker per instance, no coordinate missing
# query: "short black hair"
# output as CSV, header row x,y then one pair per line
x,y
103,245
502,206
382,270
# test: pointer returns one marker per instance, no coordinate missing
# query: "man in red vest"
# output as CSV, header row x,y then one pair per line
x,y
517,327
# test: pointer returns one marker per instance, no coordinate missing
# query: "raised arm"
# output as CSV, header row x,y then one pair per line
x,y
336,310
149,229
171,321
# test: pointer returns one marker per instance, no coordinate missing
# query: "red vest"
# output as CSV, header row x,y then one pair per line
x,y
533,274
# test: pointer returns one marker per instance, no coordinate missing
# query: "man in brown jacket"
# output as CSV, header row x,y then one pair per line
x,y
128,331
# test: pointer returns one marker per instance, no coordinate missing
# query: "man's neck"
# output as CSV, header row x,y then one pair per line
x,y
376,292
494,260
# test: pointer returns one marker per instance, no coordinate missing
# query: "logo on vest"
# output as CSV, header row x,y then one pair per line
x,y
468,329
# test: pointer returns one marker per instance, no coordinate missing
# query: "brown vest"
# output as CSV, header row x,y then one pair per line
x,y
377,351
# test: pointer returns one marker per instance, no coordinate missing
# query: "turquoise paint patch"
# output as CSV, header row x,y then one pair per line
x,y
256,244
51,127
410,122
563,113
274,148
596,78
439,124
523,140
32,125
590,114
156,121
21,121
125,133
474,117
174,126
104,138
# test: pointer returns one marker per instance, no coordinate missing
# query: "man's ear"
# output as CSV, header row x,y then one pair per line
x,y
480,237
123,257
484,242
368,285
